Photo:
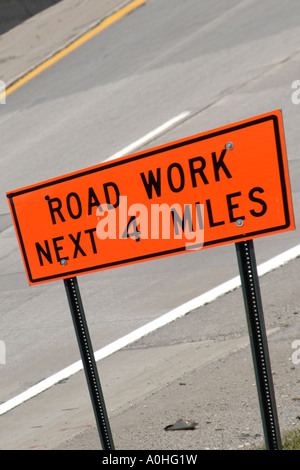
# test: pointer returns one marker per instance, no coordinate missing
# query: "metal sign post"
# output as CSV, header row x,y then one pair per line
x,y
259,345
89,362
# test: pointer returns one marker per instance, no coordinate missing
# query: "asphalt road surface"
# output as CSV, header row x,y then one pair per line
x,y
218,62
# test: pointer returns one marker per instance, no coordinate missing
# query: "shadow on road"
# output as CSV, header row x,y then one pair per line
x,y
14,12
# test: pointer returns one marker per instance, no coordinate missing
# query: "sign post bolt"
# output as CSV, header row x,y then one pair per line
x,y
229,146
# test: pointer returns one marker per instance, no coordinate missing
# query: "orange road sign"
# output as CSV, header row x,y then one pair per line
x,y
222,186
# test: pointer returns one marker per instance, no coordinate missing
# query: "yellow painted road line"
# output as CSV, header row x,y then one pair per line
x,y
78,42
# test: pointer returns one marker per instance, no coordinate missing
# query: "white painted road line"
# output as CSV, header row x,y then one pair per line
x,y
150,136
174,314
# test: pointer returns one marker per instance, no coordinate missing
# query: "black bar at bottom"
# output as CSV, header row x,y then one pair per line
x,y
89,362
258,341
